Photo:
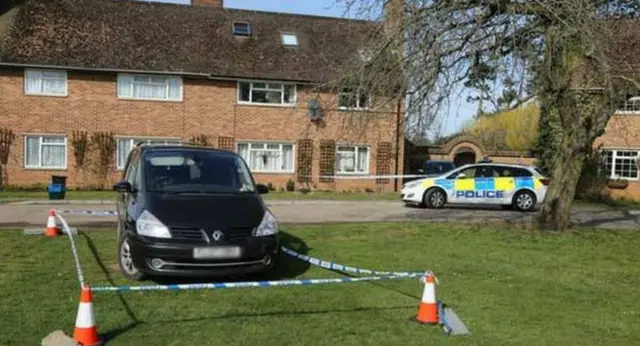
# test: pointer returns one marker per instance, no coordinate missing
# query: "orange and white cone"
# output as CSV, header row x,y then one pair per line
x,y
51,230
85,331
428,309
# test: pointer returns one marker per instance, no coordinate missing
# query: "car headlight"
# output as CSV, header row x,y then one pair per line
x,y
268,226
148,225
411,185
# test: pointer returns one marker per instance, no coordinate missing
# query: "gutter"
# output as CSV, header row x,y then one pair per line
x,y
188,74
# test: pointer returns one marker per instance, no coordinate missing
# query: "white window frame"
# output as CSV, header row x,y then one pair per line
x,y
251,88
291,35
167,86
630,106
40,72
40,145
236,33
356,147
358,106
133,140
614,156
248,161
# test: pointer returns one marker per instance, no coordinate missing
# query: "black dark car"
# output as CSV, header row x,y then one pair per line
x,y
192,211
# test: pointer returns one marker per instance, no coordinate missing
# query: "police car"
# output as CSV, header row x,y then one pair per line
x,y
520,187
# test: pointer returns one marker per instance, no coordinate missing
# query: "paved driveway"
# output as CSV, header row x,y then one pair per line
x,y
23,214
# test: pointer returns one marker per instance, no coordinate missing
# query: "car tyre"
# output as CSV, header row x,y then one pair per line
x,y
524,201
125,260
434,198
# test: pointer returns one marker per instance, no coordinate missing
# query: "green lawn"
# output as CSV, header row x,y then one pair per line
x,y
510,287
273,195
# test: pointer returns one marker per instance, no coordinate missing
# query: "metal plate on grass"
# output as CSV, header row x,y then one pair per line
x,y
217,252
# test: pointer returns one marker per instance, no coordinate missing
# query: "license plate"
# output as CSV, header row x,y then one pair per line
x,y
217,252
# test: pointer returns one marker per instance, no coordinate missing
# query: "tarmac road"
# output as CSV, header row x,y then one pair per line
x,y
34,214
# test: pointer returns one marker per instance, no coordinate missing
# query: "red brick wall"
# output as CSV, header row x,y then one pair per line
x,y
209,108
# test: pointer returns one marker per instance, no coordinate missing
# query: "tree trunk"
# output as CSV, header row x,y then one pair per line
x,y
556,210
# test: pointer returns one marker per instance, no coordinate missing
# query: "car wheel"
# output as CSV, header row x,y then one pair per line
x,y
125,260
524,201
434,198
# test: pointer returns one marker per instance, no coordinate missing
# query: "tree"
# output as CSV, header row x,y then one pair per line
x,y
512,129
577,57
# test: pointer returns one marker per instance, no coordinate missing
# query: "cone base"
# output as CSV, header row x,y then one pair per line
x,y
51,232
425,322
87,337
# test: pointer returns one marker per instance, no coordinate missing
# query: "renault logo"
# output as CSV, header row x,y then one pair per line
x,y
217,235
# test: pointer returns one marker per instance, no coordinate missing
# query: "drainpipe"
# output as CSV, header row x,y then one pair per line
x,y
397,145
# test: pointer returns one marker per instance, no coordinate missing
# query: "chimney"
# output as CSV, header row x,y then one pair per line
x,y
393,16
208,3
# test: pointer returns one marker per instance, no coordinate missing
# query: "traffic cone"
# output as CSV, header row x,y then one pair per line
x,y
428,309
51,230
85,331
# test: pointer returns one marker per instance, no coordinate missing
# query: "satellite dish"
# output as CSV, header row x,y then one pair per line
x,y
314,110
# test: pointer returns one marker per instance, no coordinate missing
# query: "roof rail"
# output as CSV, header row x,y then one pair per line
x,y
144,143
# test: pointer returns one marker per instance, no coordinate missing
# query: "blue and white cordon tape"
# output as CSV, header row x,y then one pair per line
x,y
90,212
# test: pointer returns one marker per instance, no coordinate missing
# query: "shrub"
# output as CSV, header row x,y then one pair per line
x,y
291,186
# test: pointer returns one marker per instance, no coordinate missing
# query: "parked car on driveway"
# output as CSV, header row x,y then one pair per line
x,y
192,211
520,187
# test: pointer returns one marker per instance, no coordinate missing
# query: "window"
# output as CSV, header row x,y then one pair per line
x,y
352,159
241,29
266,93
45,152
350,99
289,39
513,172
125,145
365,55
45,82
195,172
469,173
267,157
149,87
620,164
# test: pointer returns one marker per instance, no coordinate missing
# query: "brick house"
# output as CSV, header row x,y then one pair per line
x,y
245,81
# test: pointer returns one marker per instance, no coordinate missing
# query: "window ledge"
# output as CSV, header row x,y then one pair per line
x,y
45,168
276,105
47,95
148,100
364,174
272,173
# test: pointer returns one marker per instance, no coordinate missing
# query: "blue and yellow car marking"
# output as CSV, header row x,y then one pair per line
x,y
480,194
497,185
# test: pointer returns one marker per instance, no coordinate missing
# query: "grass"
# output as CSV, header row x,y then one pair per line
x,y
510,287
273,195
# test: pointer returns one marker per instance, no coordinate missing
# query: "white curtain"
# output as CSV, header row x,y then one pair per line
x,y
346,160
33,152
125,86
363,155
124,147
287,157
53,156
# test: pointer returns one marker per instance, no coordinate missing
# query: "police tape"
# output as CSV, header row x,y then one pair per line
x,y
90,212
254,284
339,267
74,251
355,176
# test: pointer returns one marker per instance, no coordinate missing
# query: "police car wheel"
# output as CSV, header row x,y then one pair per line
x,y
435,198
524,201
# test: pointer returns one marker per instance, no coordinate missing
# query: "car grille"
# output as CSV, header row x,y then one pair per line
x,y
194,234
188,234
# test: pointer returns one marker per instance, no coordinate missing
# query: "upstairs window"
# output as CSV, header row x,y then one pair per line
x,y
150,87
45,82
352,99
267,93
631,105
289,39
241,29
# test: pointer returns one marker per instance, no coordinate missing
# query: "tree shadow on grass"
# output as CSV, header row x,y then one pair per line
x,y
134,322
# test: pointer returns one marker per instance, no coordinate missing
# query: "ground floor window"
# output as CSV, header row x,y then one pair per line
x,y
125,145
45,152
267,157
620,164
352,159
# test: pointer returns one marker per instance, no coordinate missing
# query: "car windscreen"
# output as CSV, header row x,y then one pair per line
x,y
196,171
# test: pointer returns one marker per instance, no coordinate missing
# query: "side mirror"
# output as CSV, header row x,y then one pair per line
x,y
262,189
123,186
